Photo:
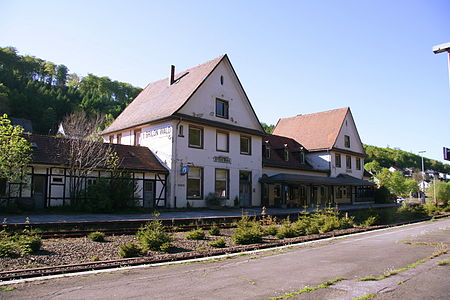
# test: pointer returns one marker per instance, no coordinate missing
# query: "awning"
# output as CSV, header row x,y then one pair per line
x,y
341,179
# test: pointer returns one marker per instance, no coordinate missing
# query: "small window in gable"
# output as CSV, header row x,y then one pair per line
x,y
180,131
221,79
221,108
347,141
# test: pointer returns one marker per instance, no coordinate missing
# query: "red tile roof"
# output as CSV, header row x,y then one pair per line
x,y
317,131
49,150
160,99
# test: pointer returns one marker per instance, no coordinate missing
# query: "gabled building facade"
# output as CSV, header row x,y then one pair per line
x,y
202,127
334,147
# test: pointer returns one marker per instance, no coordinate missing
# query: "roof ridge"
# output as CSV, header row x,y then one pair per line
x,y
317,113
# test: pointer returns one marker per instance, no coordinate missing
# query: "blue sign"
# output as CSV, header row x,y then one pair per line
x,y
184,170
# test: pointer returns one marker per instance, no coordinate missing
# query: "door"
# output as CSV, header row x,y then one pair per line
x,y
149,193
39,191
245,188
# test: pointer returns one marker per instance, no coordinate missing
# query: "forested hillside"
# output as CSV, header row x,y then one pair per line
x,y
44,92
388,157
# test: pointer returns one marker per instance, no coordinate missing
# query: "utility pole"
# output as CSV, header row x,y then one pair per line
x,y
423,178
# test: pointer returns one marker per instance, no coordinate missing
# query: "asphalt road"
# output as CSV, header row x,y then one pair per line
x,y
275,273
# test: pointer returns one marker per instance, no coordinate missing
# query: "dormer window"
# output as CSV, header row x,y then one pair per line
x,y
267,151
302,157
347,141
286,153
221,108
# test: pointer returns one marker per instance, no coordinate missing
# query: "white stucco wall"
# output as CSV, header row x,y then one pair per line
x,y
205,158
202,103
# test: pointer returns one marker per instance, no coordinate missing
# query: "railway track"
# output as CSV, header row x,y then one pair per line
x,y
99,265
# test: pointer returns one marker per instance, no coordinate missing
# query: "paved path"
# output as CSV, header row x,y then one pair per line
x,y
276,272
59,218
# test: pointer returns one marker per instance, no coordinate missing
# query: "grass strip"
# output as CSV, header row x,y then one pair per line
x,y
444,262
365,297
308,289
412,265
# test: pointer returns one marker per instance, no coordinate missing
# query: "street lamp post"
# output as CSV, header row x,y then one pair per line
x,y
423,177
443,48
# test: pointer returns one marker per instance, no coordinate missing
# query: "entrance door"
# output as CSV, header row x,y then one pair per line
x,y
39,191
245,188
149,193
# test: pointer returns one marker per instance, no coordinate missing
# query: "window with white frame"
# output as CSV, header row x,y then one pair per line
x,y
347,141
358,163
302,157
195,137
267,151
337,160
221,108
286,153
195,183
245,145
222,139
348,162
222,183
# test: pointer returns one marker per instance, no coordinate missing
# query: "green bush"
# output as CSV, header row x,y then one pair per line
x,y
247,232
272,229
431,209
219,243
195,234
287,230
370,221
7,248
214,230
153,237
129,250
96,236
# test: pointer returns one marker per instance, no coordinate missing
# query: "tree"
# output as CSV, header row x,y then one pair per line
x,y
268,128
442,192
396,182
372,167
15,151
61,75
84,150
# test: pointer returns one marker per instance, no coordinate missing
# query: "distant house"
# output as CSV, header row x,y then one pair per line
x,y
26,124
47,182
202,127
333,146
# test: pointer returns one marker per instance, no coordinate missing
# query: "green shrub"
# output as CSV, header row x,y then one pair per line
x,y
26,244
219,243
153,237
129,250
247,232
214,230
195,234
7,248
431,209
96,236
272,229
287,230
370,221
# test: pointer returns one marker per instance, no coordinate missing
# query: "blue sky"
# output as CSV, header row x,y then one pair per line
x,y
292,57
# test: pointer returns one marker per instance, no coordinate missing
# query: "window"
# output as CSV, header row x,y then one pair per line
x,y
267,151
222,183
180,131
347,141
302,157
91,181
348,162
246,145
358,163
195,137
111,139
286,154
195,183
137,137
337,160
57,180
221,79
221,108
222,139
119,138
